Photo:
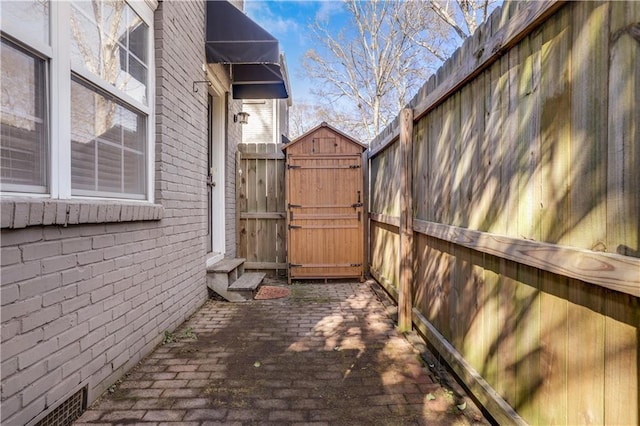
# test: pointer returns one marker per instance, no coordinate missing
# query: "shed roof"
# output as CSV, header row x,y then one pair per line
x,y
324,124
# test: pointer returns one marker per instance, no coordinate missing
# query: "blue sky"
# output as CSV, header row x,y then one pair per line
x,y
288,21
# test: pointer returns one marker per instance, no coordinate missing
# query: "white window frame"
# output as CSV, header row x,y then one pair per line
x,y
57,56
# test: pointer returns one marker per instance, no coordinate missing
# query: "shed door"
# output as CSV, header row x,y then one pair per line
x,y
325,216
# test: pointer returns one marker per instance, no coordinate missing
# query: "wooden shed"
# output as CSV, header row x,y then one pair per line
x,y
325,205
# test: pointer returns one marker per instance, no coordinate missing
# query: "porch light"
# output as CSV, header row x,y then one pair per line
x,y
241,117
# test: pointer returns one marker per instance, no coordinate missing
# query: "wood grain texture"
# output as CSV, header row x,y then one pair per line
x,y
325,206
501,411
616,272
623,184
507,36
527,209
406,220
260,202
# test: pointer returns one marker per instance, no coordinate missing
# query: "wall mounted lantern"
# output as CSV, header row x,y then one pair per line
x,y
241,117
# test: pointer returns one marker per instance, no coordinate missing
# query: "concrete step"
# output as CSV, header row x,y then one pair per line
x,y
227,265
226,271
227,278
248,282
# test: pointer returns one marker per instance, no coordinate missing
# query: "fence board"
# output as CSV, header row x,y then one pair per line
x,y
556,128
589,126
621,367
586,390
260,206
405,298
504,414
552,394
527,209
623,191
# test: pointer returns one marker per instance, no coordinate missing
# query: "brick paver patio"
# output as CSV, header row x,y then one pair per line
x,y
328,354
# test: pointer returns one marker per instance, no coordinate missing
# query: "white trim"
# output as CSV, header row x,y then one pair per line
x,y
145,9
218,91
275,128
217,146
13,189
109,88
216,74
19,32
60,112
59,73
105,195
213,258
146,12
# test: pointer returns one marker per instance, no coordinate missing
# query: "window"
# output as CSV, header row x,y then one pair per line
x,y
76,112
23,121
107,145
110,41
27,14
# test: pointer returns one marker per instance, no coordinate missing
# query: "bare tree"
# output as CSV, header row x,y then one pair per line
x,y
370,69
305,116
364,69
440,26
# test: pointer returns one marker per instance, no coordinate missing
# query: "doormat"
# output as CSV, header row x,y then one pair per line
x,y
266,292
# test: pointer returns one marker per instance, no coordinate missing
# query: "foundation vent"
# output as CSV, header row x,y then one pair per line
x,y
67,412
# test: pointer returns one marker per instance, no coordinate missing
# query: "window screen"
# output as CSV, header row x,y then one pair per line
x,y
23,120
107,145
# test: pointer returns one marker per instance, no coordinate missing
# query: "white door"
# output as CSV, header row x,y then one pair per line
x,y
215,178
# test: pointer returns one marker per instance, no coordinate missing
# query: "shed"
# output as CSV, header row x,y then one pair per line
x,y
325,205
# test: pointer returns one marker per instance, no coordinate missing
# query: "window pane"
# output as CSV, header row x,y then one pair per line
x,y
30,14
83,134
23,121
109,168
83,160
134,132
119,136
138,38
110,40
134,172
115,17
137,79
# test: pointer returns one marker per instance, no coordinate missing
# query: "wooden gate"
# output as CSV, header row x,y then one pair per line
x,y
325,205
260,206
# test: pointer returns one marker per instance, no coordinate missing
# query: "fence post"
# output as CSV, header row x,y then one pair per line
x,y
406,220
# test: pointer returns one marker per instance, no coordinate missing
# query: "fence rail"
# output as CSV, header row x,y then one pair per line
x,y
515,172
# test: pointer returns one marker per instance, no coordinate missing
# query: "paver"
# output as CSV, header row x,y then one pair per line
x,y
327,354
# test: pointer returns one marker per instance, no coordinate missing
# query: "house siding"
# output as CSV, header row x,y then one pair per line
x,y
83,303
260,128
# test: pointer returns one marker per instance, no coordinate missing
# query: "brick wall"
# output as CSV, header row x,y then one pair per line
x,y
82,304
234,136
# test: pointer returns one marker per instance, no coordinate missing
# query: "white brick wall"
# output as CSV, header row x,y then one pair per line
x,y
82,304
234,138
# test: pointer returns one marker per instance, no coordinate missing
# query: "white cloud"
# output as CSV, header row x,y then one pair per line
x,y
262,13
327,9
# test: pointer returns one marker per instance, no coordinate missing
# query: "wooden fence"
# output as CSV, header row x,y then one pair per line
x,y
260,206
510,187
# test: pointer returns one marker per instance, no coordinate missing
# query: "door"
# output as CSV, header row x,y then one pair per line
x,y
215,179
325,216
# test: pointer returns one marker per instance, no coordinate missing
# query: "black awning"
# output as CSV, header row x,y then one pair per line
x,y
254,54
258,81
